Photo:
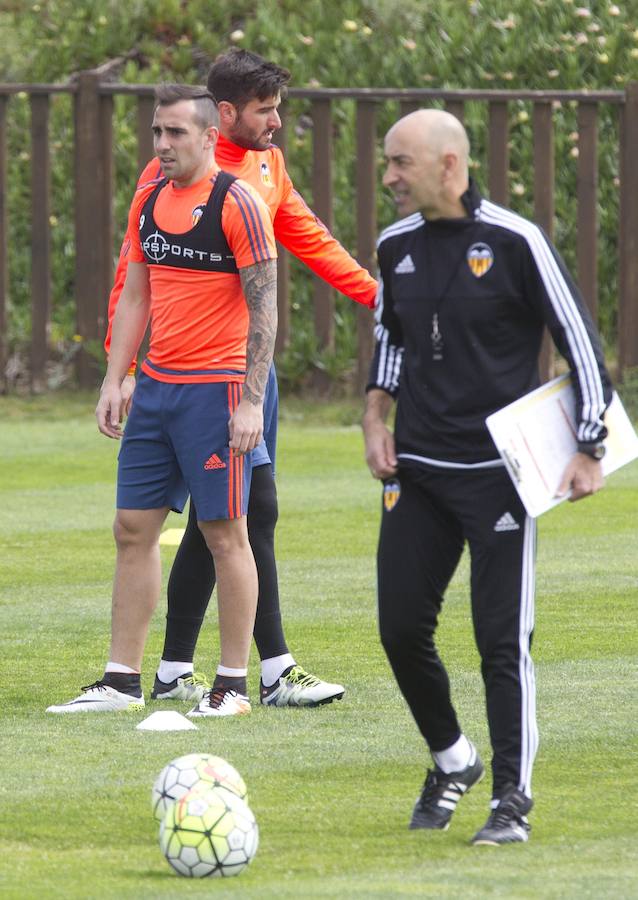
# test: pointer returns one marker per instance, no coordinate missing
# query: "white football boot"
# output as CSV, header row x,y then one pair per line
x,y
221,702
100,697
296,687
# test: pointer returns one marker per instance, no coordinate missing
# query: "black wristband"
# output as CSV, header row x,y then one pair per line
x,y
595,449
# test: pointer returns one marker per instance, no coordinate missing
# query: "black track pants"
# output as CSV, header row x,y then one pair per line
x,y
421,541
192,577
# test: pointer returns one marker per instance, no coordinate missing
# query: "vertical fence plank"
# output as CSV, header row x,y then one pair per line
x,y
366,226
4,259
283,260
544,203
106,135
498,151
457,108
89,247
587,192
145,150
322,204
628,308
544,166
40,240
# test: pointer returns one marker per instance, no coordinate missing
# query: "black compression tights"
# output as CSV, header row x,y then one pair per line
x,y
192,578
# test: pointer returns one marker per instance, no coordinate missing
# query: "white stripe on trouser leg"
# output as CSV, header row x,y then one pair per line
x,y
529,729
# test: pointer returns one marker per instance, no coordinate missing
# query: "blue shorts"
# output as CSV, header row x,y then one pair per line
x,y
265,451
176,443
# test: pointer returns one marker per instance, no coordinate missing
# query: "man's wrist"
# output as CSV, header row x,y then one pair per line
x,y
594,449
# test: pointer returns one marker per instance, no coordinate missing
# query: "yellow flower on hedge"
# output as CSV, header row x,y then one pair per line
x,y
237,35
634,53
518,189
523,116
603,58
350,25
614,10
553,73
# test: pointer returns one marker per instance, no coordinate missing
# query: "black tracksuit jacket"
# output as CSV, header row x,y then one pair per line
x,y
494,281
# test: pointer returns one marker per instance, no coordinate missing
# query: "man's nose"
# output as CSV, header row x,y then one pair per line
x,y
161,140
274,121
389,176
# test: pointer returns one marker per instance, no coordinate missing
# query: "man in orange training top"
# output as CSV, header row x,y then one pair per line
x,y
202,264
248,90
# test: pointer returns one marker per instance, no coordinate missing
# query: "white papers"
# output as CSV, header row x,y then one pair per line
x,y
166,720
536,437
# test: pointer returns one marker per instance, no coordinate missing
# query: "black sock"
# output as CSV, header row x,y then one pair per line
x,y
230,681
262,518
124,683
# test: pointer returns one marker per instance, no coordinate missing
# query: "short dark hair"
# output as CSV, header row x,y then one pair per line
x,y
239,76
206,113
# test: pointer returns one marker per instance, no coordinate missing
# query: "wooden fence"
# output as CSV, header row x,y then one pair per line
x,y
93,102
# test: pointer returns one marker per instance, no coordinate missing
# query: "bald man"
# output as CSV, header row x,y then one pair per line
x,y
466,288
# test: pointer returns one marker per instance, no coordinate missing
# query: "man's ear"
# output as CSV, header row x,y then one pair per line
x,y
212,133
450,165
227,113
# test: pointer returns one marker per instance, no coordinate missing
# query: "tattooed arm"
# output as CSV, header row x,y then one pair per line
x,y
259,283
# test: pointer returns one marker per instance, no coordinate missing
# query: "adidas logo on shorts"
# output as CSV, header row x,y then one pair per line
x,y
214,462
507,522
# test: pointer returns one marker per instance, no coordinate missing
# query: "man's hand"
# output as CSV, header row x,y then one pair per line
x,y
584,475
246,427
110,410
380,454
127,388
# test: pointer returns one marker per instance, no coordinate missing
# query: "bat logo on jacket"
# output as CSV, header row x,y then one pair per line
x,y
480,259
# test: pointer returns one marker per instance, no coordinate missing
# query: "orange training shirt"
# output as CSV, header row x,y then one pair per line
x,y
199,319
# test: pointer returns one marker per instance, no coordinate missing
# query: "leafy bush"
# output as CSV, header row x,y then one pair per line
x,y
524,44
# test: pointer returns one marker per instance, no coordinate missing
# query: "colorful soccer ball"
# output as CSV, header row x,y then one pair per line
x,y
187,772
209,833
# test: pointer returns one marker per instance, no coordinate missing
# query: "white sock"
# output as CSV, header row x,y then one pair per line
x,y
457,757
169,669
232,673
120,667
272,668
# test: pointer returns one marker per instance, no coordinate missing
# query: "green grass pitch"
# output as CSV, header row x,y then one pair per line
x,y
331,788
